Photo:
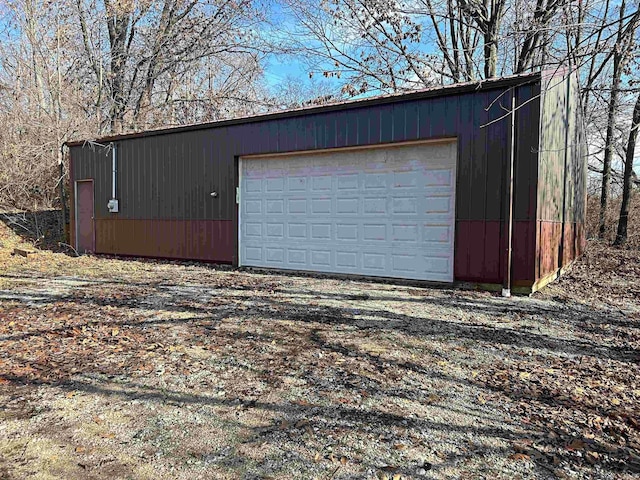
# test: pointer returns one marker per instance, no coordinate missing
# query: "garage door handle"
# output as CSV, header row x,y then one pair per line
x,y
214,194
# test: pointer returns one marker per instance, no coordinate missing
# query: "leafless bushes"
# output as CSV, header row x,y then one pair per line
x,y
613,212
84,68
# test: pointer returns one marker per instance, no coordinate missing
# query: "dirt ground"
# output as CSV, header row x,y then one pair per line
x,y
156,370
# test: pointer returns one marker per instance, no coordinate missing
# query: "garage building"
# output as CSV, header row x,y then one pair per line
x,y
479,183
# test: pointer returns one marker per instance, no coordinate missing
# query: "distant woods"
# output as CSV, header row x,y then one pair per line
x,y
85,68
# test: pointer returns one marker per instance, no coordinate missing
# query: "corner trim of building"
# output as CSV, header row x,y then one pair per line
x,y
547,279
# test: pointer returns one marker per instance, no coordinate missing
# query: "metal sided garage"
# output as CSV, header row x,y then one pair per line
x,y
481,183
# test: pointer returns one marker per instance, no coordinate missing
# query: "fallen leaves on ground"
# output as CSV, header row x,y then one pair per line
x,y
145,369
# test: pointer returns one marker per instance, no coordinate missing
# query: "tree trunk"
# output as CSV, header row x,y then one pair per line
x,y
487,16
608,148
118,23
621,51
621,236
490,55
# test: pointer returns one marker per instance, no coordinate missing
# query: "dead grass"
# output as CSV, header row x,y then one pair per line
x,y
143,369
612,216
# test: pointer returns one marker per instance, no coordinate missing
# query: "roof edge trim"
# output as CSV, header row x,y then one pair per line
x,y
440,91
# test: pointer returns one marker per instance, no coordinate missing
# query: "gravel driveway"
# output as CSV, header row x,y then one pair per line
x,y
140,369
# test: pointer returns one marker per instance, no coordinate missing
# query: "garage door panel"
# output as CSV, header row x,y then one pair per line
x,y
403,262
297,231
383,212
326,259
320,231
297,257
347,260
272,207
253,207
275,230
347,206
320,258
405,205
348,181
321,206
347,232
274,185
253,229
404,233
253,255
438,234
296,206
376,232
437,265
274,255
438,178
297,184
375,181
322,183
253,185
438,204
375,205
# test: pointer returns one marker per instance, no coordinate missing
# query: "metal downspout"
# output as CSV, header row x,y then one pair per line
x,y
506,284
114,170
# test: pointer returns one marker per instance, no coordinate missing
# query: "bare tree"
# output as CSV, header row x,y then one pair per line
x,y
81,68
487,16
622,50
150,43
396,45
373,45
455,37
623,222
536,33
34,99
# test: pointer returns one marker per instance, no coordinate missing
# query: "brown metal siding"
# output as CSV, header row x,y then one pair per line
x,y
561,190
184,239
169,176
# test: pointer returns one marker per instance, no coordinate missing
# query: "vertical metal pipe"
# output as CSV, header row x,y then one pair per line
x,y
506,284
114,169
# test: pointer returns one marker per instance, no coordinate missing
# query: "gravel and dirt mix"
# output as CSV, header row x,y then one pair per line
x,y
143,369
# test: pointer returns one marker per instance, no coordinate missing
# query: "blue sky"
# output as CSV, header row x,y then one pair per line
x,y
278,68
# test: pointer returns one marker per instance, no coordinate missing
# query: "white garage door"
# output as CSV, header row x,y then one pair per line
x,y
383,212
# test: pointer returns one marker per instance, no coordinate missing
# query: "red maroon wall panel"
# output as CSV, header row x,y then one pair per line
x,y
523,252
460,254
478,261
549,238
574,242
208,240
484,261
493,251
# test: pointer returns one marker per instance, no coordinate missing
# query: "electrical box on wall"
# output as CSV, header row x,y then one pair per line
x,y
112,205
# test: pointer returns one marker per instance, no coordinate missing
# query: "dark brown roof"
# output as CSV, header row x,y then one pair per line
x,y
457,88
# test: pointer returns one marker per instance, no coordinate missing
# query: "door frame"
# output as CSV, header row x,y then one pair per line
x,y
93,213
